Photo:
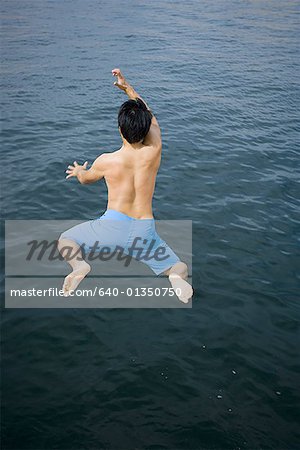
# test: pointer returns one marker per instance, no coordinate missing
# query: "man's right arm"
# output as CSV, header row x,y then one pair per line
x,y
153,137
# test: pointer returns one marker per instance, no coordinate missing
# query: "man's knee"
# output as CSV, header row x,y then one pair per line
x,y
65,240
180,268
63,236
62,241
65,244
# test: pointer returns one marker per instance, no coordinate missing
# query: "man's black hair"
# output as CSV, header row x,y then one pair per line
x,y
134,120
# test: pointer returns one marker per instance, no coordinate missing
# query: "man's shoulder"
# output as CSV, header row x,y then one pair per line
x,y
104,158
151,152
108,161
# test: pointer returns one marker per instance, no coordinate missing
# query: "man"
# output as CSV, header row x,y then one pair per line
x,y
130,175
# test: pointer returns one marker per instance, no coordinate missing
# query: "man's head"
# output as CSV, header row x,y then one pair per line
x,y
134,120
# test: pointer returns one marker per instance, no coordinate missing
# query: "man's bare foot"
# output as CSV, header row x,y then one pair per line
x,y
74,278
183,289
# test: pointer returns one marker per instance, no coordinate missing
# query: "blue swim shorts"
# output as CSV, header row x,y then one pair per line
x,y
134,237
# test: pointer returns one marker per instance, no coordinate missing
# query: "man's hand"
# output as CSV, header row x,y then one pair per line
x,y
75,169
121,83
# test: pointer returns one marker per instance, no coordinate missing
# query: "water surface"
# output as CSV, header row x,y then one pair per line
x,y
222,78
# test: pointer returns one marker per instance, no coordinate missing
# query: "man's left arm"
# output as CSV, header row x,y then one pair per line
x,y
87,176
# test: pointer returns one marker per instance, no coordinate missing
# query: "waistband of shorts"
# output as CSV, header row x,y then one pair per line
x,y
112,214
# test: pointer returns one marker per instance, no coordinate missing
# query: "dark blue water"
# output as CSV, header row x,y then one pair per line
x,y
223,80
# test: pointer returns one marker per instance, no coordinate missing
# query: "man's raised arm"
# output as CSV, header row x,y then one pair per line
x,y
153,137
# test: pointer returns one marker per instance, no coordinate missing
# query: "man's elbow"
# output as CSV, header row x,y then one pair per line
x,y
158,144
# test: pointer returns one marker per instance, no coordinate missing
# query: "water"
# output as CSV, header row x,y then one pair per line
x,y
222,78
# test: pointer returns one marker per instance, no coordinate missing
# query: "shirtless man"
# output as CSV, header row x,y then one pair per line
x,y
130,175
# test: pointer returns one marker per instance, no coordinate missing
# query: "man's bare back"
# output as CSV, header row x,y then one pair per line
x,y
130,177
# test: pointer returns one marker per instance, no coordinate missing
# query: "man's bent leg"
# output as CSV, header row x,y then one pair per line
x,y
177,276
72,253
